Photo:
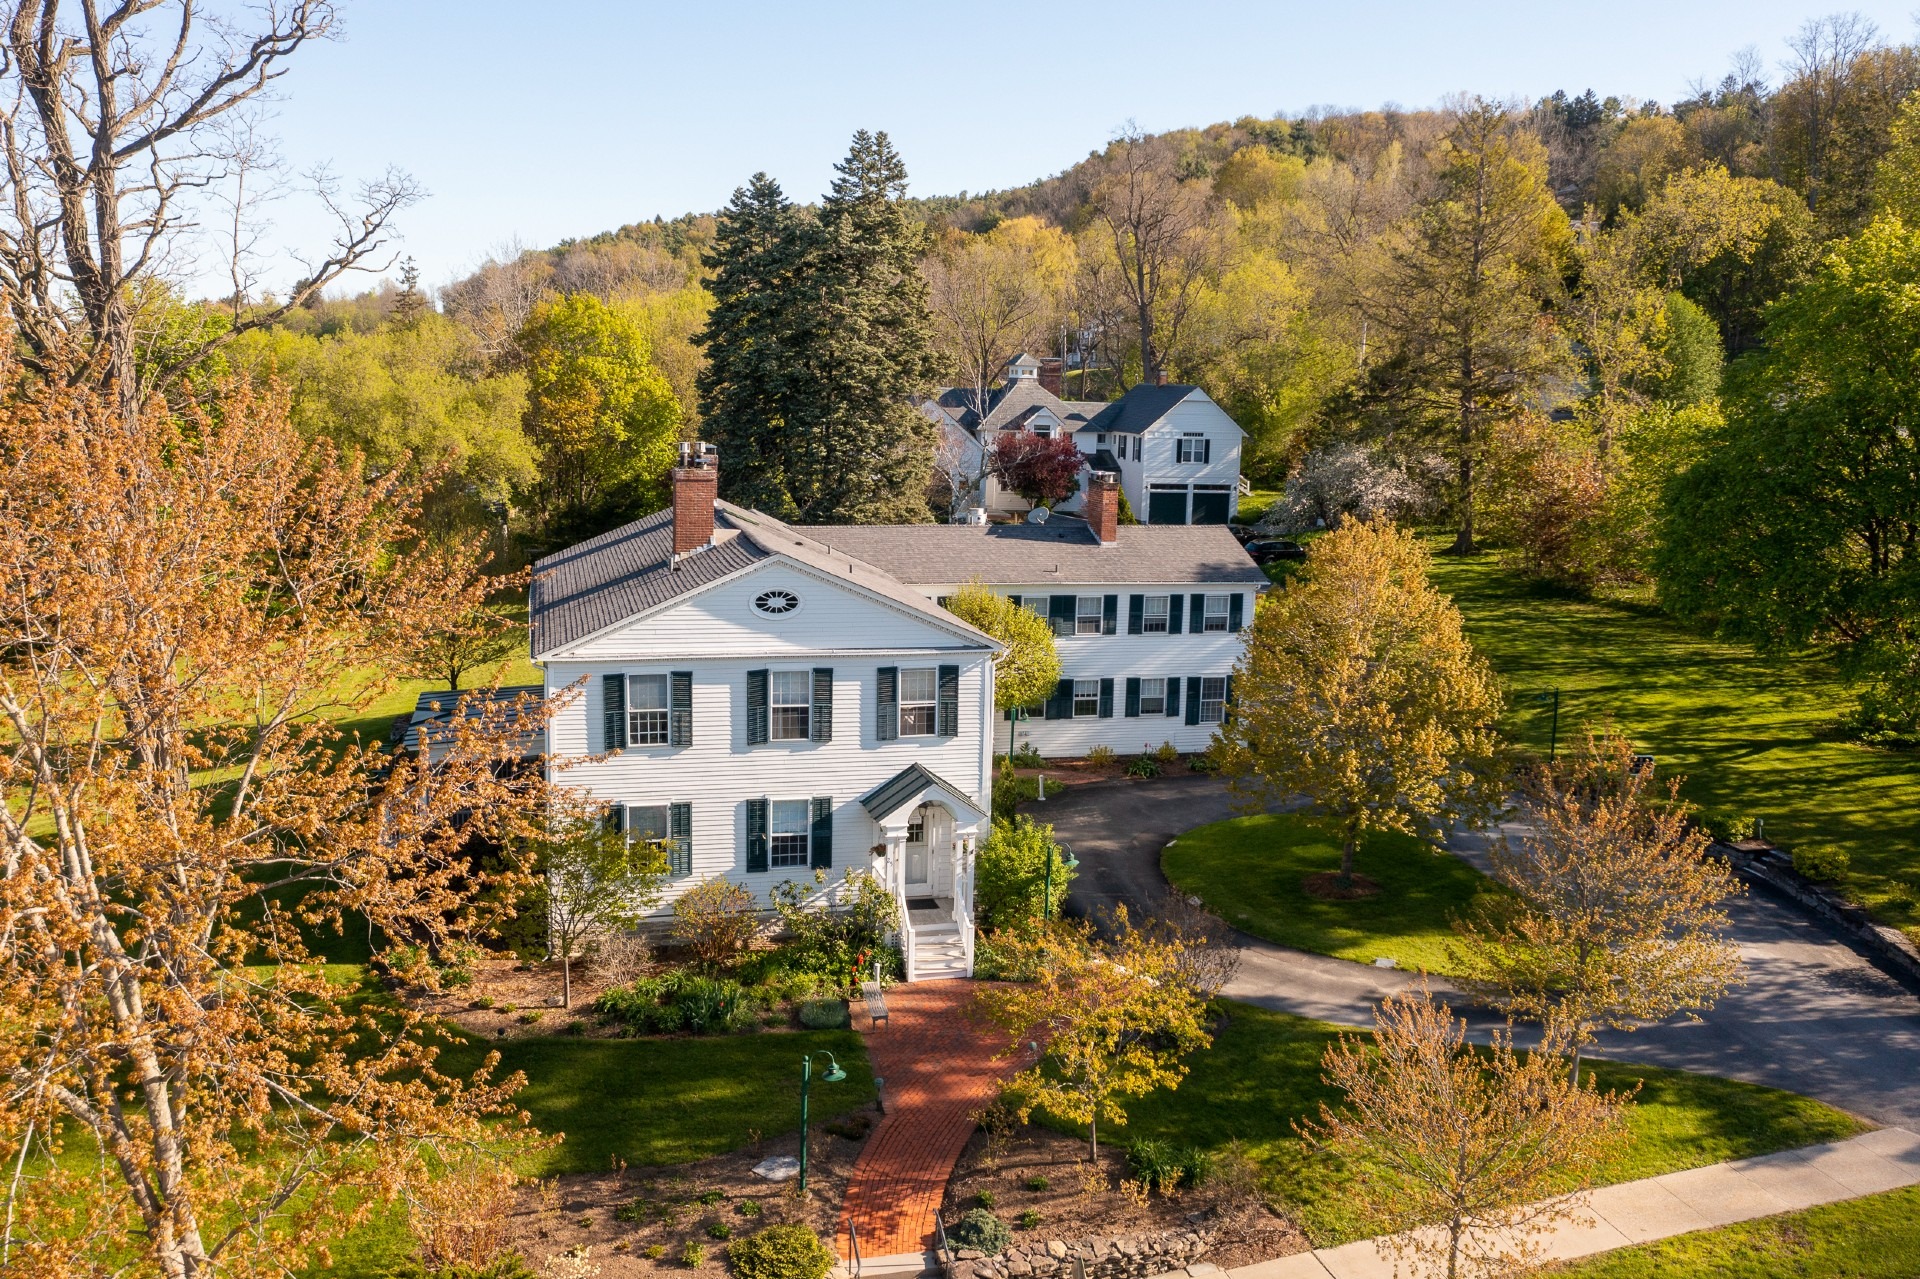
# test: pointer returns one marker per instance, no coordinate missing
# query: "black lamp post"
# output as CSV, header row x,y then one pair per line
x,y
831,1075
1062,853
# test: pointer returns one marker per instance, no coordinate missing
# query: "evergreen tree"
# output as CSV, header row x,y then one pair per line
x,y
818,342
760,246
411,304
871,353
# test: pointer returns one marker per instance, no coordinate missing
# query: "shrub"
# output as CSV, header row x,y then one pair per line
x,y
719,1230
634,1210
458,962
1028,757
1100,756
984,1199
836,945
1162,1167
1166,756
980,1229
530,1018
1010,874
694,1255
1037,1184
655,1251
708,1005
677,1001
508,1265
1822,862
715,919
1143,766
712,1197
1203,762
748,1208
576,1027
1030,1219
791,1251
483,1003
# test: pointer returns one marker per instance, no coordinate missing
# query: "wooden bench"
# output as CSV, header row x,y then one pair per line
x,y
876,999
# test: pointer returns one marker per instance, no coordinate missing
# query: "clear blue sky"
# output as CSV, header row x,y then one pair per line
x,y
562,119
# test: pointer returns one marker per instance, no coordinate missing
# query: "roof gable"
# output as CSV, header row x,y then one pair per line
x,y
1143,407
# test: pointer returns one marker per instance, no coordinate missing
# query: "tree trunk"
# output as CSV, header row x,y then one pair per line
x,y
566,979
1576,1063
1093,1133
1463,538
1347,846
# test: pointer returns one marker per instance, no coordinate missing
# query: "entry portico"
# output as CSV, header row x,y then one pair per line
x,y
929,830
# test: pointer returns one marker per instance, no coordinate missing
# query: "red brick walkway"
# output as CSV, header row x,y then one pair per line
x,y
940,1070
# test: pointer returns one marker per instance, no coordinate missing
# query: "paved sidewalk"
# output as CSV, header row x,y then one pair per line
x,y
1675,1204
940,1070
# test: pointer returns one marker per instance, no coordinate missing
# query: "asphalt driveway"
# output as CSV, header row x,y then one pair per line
x,y
1815,1016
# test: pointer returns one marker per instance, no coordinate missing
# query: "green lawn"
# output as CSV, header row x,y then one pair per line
x,y
1263,1074
1251,869
1877,1237
668,1101
1753,737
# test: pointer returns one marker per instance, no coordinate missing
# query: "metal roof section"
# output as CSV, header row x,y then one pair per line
x,y
1060,551
913,785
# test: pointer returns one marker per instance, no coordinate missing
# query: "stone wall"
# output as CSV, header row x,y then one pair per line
x,y
1771,866
1132,1257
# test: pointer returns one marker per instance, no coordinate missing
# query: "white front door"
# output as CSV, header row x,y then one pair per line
x,y
919,868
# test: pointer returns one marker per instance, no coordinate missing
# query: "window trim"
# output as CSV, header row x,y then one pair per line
x,y
774,834
663,734
1224,616
931,704
775,706
1218,714
1192,448
1159,706
1081,619
666,818
1147,618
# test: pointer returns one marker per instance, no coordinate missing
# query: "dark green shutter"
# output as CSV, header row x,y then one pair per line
x,y
1173,692
614,693
1133,694
1193,699
617,817
1234,613
1110,615
948,714
680,830
1106,699
680,714
886,705
1014,600
1060,705
756,835
1060,612
1173,613
757,710
1136,614
1197,614
822,722
822,833
1228,708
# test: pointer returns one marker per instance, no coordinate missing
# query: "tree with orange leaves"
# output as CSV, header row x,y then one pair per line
x,y
190,600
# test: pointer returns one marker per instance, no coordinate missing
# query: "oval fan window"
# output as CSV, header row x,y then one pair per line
x,y
776,603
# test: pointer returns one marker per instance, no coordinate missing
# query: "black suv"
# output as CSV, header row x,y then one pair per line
x,y
1267,550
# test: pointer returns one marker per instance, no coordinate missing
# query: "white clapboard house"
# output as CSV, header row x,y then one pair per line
x,y
777,700
1176,452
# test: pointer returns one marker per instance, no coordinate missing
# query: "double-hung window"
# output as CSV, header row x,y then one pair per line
x,y
1087,614
647,823
1153,616
1086,697
1213,699
790,822
1153,697
1192,448
1217,613
919,695
647,710
792,705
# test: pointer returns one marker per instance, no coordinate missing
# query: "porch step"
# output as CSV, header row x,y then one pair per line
x,y
938,953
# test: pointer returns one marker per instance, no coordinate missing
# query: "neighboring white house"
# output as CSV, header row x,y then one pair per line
x,y
777,700
1177,453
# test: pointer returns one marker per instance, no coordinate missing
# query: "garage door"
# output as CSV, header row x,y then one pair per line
x,y
1167,506
1209,508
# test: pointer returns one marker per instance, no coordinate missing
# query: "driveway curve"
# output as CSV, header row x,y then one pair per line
x,y
1816,1016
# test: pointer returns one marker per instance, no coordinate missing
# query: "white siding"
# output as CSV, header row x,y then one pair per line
x,y
1159,462
720,772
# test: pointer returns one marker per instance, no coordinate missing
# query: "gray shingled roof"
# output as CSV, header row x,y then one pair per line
x,y
885,799
606,579
1007,403
1060,551
1139,408
433,711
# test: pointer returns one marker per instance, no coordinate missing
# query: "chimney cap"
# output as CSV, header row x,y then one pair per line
x,y
698,455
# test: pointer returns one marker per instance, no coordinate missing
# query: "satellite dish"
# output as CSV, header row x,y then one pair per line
x,y
1038,515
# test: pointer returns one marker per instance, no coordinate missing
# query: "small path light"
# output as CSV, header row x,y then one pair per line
x,y
1062,853
831,1075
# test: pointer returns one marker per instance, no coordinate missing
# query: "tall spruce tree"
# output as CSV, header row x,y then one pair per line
x,y
760,248
818,342
870,454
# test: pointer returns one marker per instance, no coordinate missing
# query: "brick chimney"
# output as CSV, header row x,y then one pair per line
x,y
1053,372
696,483
1102,506
1159,377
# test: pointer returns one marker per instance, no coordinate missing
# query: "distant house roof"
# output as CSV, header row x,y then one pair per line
x,y
1007,403
1061,550
1140,408
604,581
1104,460
433,711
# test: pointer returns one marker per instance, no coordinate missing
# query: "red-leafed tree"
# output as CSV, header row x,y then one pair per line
x,y
1043,469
